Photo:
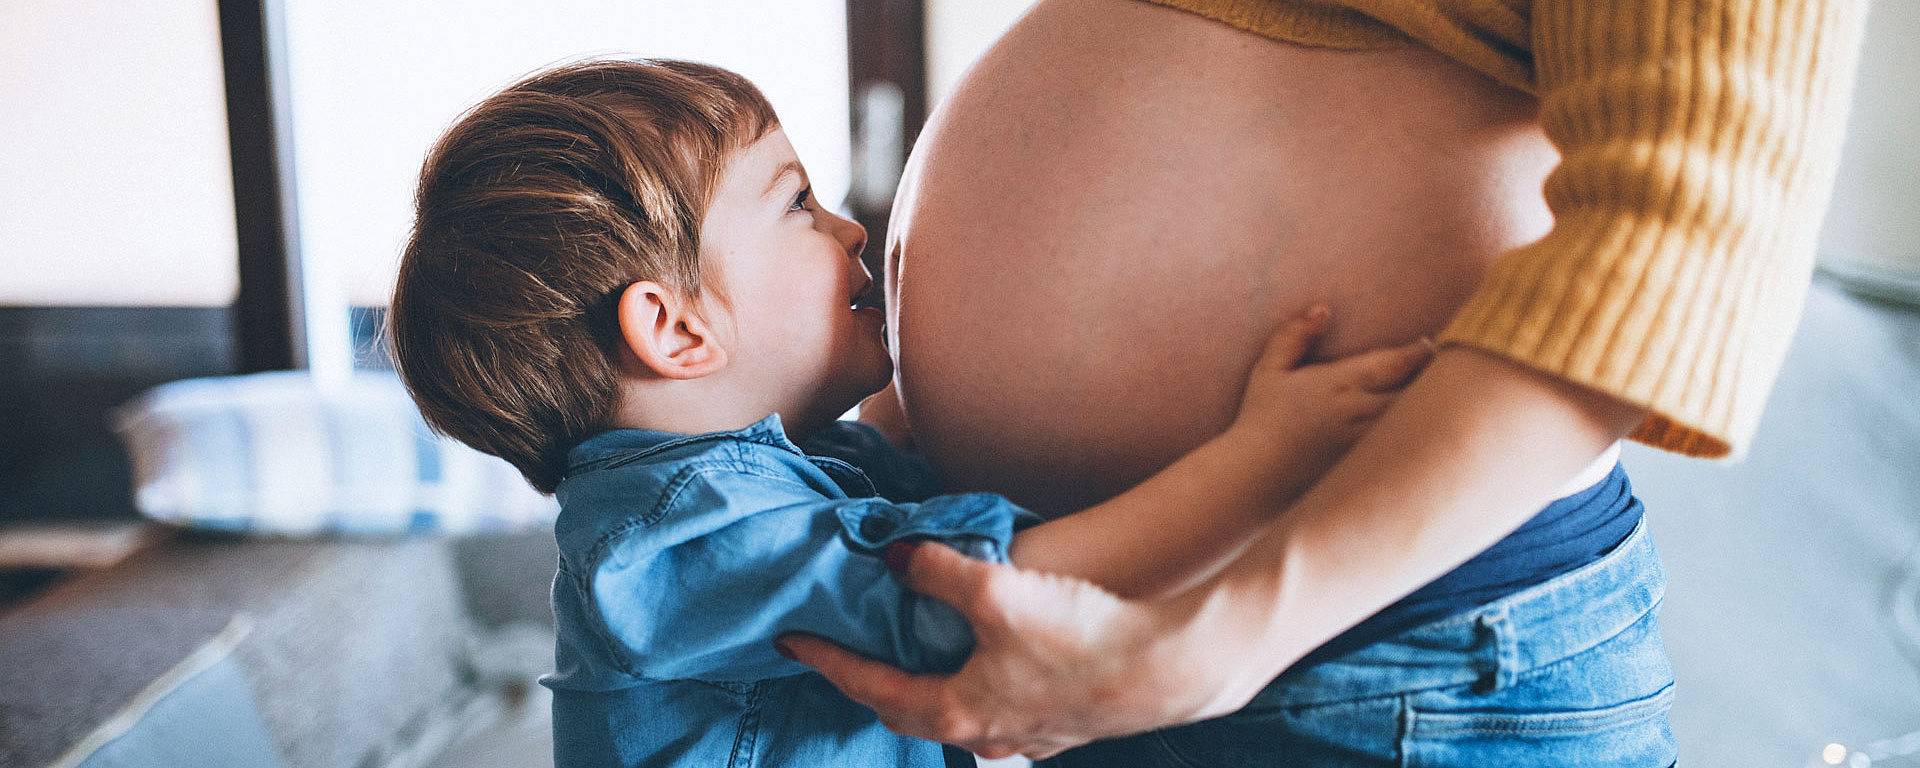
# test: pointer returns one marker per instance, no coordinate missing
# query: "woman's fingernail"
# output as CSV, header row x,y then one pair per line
x,y
899,554
1318,312
780,647
1427,341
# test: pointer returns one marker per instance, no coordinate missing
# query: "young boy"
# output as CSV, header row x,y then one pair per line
x,y
619,281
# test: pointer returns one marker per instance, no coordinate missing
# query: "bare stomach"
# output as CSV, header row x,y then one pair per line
x,y
1104,221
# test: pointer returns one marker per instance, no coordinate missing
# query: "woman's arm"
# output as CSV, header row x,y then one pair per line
x,y
1473,446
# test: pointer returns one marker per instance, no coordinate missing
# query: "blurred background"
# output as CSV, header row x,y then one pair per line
x,y
204,188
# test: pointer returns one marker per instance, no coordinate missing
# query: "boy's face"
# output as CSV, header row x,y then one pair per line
x,y
790,273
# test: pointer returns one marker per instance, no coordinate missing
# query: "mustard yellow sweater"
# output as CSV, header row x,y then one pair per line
x,y
1699,140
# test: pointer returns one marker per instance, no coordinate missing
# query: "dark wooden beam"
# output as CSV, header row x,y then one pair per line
x,y
253,54
887,78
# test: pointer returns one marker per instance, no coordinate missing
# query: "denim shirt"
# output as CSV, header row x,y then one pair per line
x,y
683,556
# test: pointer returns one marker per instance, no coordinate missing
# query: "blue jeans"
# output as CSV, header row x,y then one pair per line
x,y
1569,673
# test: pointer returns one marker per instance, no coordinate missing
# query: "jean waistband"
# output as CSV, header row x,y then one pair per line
x,y
1492,643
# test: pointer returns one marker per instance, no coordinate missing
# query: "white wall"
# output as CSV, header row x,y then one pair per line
x,y
376,81
114,180
958,31
1875,218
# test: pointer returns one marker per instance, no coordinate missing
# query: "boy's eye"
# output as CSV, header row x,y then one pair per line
x,y
800,200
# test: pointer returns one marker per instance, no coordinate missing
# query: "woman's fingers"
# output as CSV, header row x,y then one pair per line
x,y
1057,662
909,701
913,705
942,573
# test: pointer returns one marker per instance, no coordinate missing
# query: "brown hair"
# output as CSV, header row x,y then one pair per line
x,y
535,210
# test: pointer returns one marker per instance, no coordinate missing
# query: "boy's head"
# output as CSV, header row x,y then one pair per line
x,y
557,223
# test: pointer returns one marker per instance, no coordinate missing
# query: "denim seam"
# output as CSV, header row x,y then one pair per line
x,y
745,738
1505,649
735,687
1522,667
1601,639
1509,650
670,497
611,645
1509,674
622,459
829,465
1361,697
1537,591
1546,723
671,490
1403,744
598,629
1521,676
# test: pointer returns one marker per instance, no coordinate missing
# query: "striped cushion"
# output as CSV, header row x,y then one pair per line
x,y
277,453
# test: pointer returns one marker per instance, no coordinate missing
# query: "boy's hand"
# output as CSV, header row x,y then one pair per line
x,y
881,410
1309,415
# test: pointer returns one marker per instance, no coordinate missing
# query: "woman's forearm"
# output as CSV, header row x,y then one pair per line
x,y
1473,447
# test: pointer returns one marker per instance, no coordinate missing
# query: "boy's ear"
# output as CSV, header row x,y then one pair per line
x,y
665,330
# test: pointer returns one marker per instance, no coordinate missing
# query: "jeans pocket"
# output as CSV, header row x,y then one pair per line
x,y
1634,732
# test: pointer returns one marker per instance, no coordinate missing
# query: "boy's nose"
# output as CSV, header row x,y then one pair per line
x,y
851,235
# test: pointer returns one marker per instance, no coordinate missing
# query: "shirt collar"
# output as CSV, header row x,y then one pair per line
x,y
629,444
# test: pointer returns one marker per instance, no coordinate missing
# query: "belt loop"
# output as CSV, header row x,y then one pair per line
x,y
1499,655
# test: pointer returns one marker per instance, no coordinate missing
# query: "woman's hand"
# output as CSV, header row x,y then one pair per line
x,y
1058,662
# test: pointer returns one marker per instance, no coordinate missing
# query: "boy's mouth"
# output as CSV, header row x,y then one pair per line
x,y
866,297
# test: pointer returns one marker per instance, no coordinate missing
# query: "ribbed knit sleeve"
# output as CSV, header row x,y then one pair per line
x,y
1699,141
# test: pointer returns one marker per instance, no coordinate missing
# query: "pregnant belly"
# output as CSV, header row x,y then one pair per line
x,y
1104,221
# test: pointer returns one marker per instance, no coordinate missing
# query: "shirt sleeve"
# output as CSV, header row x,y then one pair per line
x,y
739,559
1699,143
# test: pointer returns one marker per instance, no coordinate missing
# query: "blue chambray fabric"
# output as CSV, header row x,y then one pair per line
x,y
683,556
